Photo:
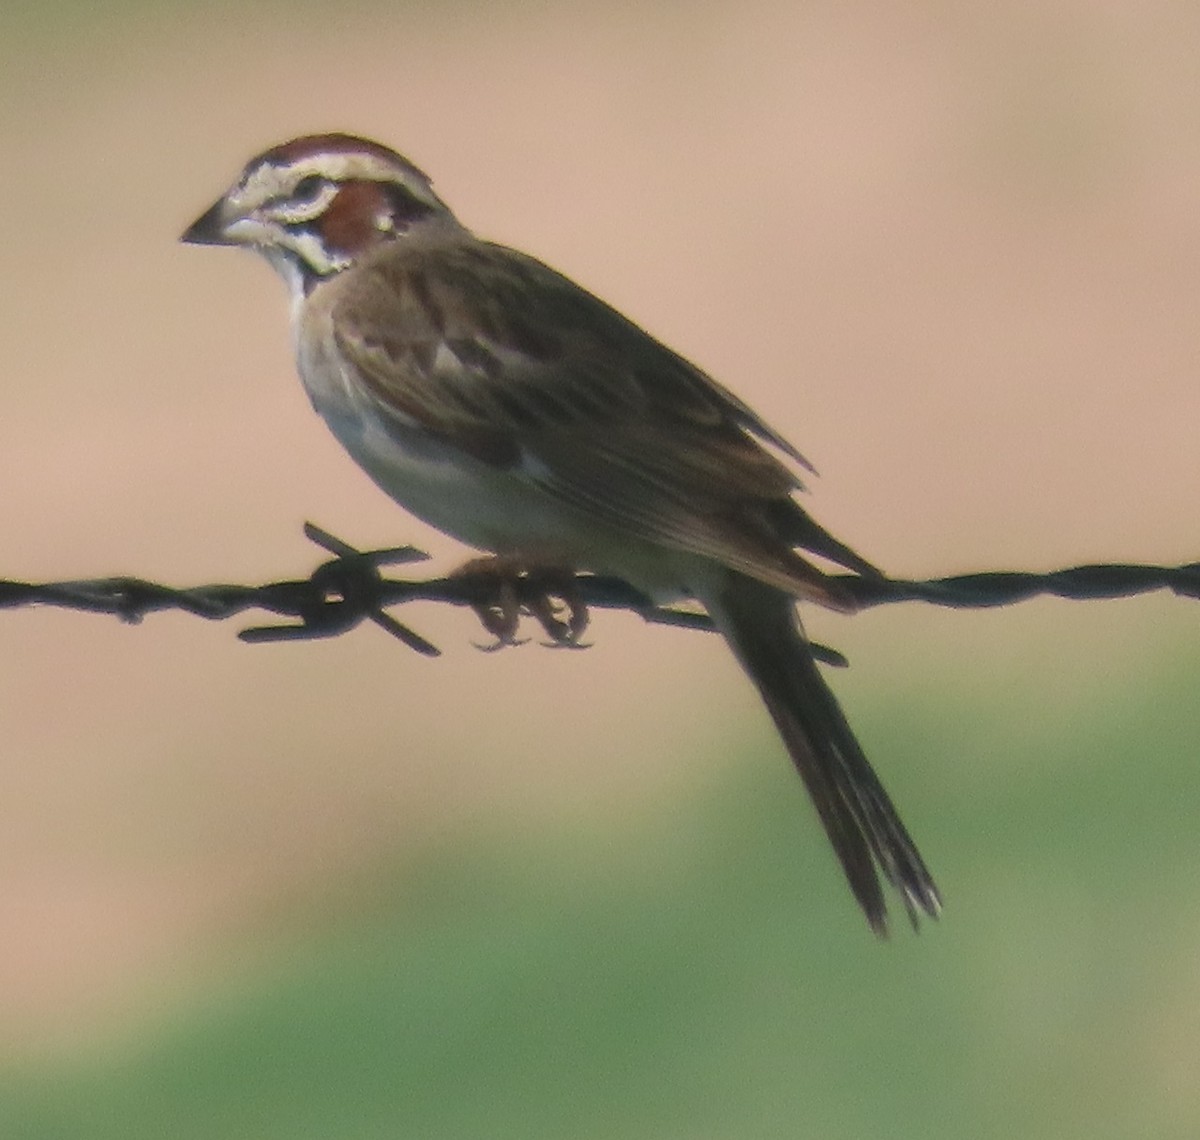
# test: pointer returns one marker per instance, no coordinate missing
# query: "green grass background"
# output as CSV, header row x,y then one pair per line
x,y
700,971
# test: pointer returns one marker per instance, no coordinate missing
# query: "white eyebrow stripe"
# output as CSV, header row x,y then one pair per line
x,y
273,181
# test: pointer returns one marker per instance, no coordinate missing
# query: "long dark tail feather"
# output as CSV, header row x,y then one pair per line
x,y
761,626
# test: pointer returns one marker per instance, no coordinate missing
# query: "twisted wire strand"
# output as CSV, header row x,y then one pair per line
x,y
349,589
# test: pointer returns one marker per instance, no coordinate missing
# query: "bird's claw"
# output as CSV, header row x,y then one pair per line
x,y
560,611
500,615
547,595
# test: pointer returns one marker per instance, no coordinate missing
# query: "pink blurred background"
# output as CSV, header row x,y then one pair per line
x,y
952,252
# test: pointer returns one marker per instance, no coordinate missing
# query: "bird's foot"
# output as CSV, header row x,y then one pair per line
x,y
558,606
511,587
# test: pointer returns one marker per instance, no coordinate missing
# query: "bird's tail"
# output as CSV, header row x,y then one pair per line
x,y
761,626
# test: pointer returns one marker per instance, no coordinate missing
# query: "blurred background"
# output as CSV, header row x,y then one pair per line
x,y
335,890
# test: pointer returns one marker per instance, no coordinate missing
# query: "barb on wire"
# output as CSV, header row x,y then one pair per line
x,y
349,589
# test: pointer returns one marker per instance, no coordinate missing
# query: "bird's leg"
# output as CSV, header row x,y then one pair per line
x,y
499,608
556,591
515,586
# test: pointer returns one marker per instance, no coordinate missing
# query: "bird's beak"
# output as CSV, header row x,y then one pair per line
x,y
211,228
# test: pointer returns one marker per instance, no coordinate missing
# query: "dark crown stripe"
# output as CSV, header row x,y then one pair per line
x,y
335,142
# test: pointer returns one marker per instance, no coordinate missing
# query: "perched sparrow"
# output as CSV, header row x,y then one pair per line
x,y
502,403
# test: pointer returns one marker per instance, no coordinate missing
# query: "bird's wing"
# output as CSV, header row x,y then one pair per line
x,y
497,354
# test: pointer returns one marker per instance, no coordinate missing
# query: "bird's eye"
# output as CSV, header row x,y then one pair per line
x,y
308,188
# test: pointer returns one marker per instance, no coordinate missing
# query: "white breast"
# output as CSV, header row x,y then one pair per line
x,y
504,510
486,507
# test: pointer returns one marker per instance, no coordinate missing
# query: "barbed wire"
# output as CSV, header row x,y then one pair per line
x,y
350,589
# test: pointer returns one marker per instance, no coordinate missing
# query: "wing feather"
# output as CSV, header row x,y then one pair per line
x,y
503,357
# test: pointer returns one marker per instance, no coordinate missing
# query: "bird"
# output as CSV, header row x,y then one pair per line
x,y
499,401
